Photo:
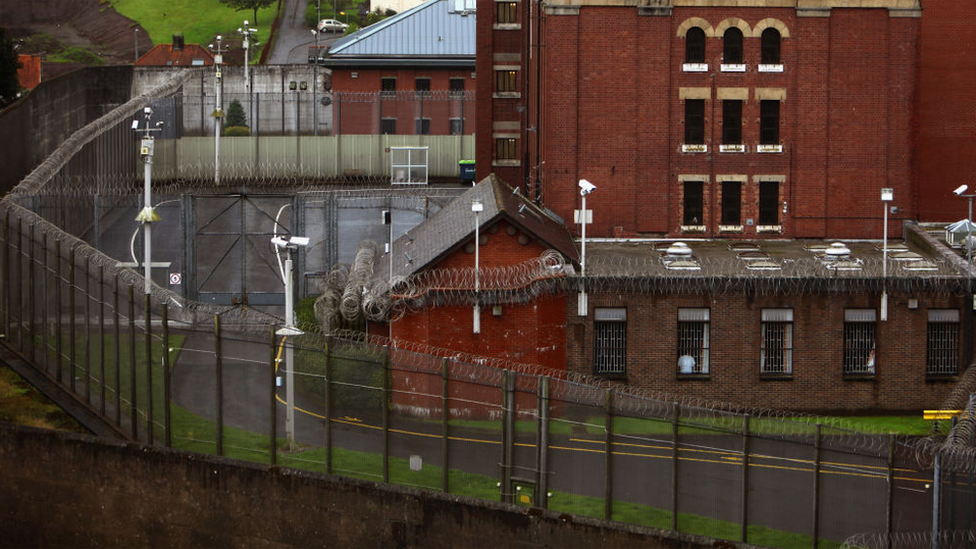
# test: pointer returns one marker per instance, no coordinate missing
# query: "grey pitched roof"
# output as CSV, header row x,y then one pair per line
x,y
431,30
422,246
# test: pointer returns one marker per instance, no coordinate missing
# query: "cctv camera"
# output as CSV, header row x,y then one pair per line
x,y
147,110
960,189
135,124
586,187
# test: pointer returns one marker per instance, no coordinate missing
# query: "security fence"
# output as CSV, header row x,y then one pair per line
x,y
237,382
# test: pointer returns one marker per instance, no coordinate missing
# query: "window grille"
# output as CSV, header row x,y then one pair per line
x,y
695,45
859,341
769,202
456,86
505,80
505,149
942,356
387,87
693,338
770,46
776,349
506,13
694,210
695,121
421,126
731,203
422,87
769,122
387,126
457,126
731,122
610,341
732,42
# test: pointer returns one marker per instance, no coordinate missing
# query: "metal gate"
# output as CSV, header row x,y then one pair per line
x,y
230,258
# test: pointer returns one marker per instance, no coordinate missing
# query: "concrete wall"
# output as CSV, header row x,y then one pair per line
x,y
69,490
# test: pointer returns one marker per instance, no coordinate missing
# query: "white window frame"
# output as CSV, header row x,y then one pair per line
x,y
776,357
943,328
860,341
610,341
693,340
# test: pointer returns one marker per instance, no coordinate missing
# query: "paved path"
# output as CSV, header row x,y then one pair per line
x,y
295,37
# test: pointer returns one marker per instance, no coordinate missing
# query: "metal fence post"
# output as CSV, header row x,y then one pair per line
x,y
817,440
745,478
57,308
133,403
890,496
5,272
219,389
118,351
508,430
45,313
149,370
273,364
31,262
936,500
608,458
167,425
72,317
386,414
101,335
20,287
445,415
88,375
542,446
328,405
676,414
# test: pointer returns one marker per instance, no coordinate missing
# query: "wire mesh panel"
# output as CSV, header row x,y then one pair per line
x,y
853,491
577,453
415,429
475,436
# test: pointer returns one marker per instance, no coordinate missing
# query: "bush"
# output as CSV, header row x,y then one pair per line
x,y
237,131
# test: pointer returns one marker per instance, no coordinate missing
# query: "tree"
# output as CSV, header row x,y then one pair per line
x,y
235,114
9,83
240,5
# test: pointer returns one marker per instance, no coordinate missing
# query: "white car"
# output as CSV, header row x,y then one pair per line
x,y
332,25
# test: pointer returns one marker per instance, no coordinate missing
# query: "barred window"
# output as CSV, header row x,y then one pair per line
x,y
732,121
694,203
506,13
770,46
456,86
693,341
387,126
695,45
731,203
387,87
610,340
942,356
732,42
421,126
769,202
769,122
505,149
859,341
456,126
776,348
695,121
505,80
422,87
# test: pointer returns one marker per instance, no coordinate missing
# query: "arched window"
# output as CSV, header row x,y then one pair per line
x,y
733,46
770,46
695,45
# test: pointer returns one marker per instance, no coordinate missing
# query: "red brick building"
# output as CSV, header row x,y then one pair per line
x,y
177,54
705,118
29,73
409,74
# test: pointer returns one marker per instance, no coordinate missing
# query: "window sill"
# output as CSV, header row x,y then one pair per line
x,y
695,67
613,377
693,228
507,26
732,148
733,67
941,378
730,228
704,376
769,228
775,377
506,95
694,148
771,68
852,376
506,163
769,148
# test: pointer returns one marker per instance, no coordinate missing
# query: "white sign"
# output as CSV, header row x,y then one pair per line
x,y
175,279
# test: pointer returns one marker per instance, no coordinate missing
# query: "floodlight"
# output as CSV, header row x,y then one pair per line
x,y
960,189
147,110
586,187
477,206
135,124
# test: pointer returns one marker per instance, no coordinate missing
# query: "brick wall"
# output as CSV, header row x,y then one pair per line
x,y
613,114
817,383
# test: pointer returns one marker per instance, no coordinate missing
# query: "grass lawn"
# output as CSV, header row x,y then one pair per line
x,y
198,20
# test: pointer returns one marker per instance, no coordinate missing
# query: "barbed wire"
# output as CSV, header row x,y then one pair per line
x,y
947,539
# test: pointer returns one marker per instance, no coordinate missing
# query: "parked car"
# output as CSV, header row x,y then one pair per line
x,y
332,25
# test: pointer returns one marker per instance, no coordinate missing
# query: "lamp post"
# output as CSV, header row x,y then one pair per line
x,y
584,219
969,235
246,33
887,195
147,215
315,85
135,32
290,245
218,113
477,207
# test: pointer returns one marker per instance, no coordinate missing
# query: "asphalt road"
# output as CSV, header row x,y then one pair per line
x,y
853,488
294,38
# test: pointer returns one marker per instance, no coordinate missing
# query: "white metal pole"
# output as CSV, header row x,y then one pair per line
x,y
217,119
477,281
969,254
147,226
884,280
289,353
581,306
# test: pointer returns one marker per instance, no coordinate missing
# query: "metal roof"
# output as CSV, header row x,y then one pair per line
x,y
432,29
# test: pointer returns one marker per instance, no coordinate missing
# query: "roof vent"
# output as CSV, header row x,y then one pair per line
x,y
679,250
837,251
178,42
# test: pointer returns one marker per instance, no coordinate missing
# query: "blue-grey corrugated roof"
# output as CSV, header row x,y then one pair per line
x,y
432,29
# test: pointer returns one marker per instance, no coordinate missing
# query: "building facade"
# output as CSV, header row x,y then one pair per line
x,y
714,119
